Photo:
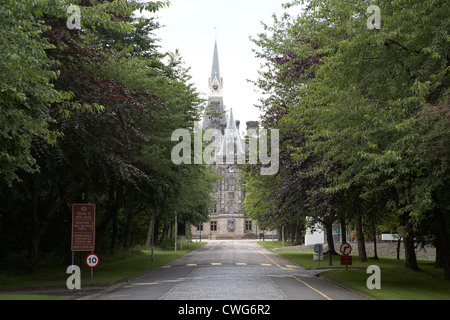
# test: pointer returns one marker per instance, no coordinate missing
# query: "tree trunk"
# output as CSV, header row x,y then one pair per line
x,y
35,241
148,241
438,261
164,233
292,233
39,227
298,235
112,209
443,240
113,248
360,237
128,230
374,230
329,230
408,242
343,231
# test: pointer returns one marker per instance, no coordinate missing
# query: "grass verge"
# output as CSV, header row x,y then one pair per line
x,y
397,282
111,270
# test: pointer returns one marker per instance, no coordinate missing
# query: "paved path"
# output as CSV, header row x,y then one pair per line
x,y
230,270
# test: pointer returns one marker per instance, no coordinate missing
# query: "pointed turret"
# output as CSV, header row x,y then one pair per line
x,y
231,141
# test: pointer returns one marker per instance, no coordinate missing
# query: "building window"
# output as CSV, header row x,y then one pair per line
x,y
200,227
248,226
213,225
214,208
231,208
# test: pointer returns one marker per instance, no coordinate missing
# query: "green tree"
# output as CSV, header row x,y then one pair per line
x,y
113,145
26,91
370,104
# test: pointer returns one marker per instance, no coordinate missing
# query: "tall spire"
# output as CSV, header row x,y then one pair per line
x,y
215,72
215,81
215,116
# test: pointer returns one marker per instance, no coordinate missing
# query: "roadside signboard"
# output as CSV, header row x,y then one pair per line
x,y
346,260
83,227
318,248
317,257
92,260
346,249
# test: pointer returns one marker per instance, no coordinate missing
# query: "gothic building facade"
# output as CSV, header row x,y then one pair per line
x,y
227,218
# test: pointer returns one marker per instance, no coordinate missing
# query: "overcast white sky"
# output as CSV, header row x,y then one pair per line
x,y
189,25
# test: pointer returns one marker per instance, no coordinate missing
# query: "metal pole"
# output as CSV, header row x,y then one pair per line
x,y
153,234
282,237
176,224
188,230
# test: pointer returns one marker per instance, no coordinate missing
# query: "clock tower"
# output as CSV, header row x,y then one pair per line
x,y
227,217
215,117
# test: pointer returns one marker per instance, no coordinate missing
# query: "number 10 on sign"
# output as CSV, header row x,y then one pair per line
x,y
92,260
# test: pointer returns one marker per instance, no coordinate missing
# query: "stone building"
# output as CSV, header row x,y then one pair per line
x,y
227,217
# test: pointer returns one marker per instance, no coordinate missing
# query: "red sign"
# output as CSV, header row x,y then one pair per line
x,y
92,260
346,249
346,260
83,227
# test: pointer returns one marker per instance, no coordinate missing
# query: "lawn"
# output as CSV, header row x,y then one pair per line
x,y
397,282
110,270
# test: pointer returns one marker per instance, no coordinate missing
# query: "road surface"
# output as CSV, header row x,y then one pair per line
x,y
230,270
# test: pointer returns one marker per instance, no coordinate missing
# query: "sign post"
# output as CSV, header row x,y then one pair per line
x,y
92,261
346,259
346,249
318,249
83,227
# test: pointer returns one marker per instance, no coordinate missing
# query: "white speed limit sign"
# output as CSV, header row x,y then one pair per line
x,y
92,260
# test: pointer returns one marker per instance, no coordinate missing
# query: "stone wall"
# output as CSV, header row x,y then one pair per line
x,y
384,249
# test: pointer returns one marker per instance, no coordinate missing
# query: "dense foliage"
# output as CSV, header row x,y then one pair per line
x,y
364,117
86,115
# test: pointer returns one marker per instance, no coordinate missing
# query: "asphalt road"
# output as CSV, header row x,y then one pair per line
x,y
230,270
